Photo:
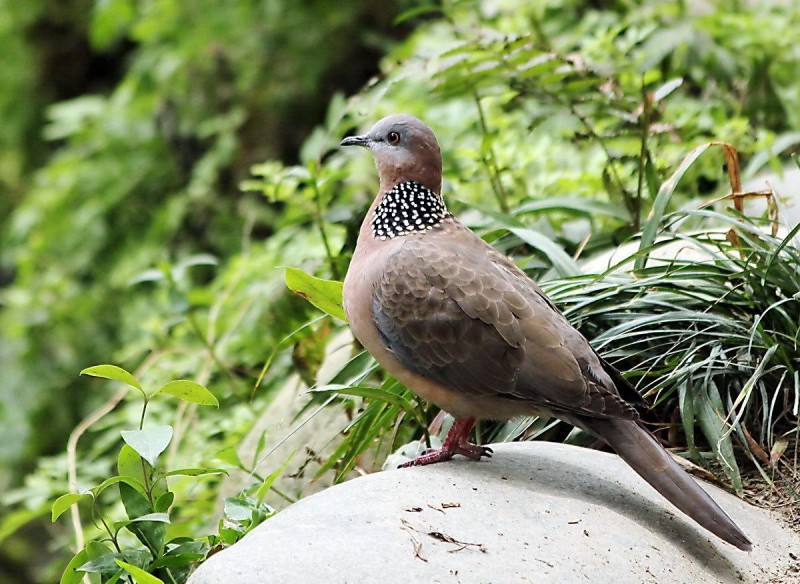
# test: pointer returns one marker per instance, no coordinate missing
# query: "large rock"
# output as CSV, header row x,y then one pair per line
x,y
535,512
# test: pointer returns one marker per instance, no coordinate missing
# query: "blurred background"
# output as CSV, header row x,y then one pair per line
x,y
161,162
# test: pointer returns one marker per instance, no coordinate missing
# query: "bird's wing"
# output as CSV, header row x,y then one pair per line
x,y
459,313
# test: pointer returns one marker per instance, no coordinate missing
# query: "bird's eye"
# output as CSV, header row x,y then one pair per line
x,y
393,138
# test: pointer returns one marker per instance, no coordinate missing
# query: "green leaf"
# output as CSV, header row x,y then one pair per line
x,y
374,393
230,535
105,564
139,575
135,503
101,561
196,472
686,406
157,517
650,228
708,409
237,510
183,553
267,484
559,259
64,502
130,464
164,502
324,294
229,456
147,526
151,275
564,265
132,481
95,549
114,373
667,88
420,10
189,391
739,404
201,259
149,443
154,517
574,205
71,575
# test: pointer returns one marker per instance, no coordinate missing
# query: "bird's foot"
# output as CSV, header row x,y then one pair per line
x,y
455,443
433,455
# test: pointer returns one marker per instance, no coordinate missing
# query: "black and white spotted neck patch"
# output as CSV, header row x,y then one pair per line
x,y
408,208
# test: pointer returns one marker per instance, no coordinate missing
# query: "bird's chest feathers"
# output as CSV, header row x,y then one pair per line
x,y
365,268
407,208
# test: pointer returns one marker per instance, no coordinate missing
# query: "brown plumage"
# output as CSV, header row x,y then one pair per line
x,y
462,326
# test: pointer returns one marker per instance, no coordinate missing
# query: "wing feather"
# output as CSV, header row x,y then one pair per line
x,y
467,318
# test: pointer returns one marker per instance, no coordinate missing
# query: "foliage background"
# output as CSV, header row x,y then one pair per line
x,y
160,160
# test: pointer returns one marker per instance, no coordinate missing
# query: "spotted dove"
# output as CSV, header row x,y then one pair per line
x,y
462,326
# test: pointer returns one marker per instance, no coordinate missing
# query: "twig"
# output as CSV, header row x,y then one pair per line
x,y
72,465
491,161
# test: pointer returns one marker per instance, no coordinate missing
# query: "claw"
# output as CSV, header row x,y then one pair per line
x,y
455,443
473,451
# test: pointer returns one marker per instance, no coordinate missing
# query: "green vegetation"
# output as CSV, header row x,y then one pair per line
x,y
161,163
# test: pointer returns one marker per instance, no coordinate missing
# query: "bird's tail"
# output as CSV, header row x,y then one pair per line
x,y
655,465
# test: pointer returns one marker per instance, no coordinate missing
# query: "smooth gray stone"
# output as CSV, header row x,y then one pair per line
x,y
786,187
535,512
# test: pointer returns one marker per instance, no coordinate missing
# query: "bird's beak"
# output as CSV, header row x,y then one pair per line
x,y
356,141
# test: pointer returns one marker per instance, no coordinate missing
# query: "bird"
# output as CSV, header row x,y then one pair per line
x,y
462,326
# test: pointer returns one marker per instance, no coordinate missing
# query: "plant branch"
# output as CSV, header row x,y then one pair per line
x,y
321,227
72,460
490,160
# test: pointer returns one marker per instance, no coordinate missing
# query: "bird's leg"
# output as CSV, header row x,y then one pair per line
x,y
455,443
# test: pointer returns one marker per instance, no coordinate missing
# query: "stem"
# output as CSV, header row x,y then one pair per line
x,y
644,124
282,495
144,411
148,487
111,534
491,160
145,478
321,228
644,154
72,460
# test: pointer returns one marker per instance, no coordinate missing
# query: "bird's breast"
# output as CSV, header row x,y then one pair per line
x,y
365,271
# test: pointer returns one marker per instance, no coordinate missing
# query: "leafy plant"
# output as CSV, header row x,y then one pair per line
x,y
143,486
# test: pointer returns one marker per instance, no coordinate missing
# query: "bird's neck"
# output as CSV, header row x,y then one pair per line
x,y
425,168
405,208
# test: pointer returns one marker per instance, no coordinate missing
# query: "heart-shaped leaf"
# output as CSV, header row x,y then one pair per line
x,y
149,443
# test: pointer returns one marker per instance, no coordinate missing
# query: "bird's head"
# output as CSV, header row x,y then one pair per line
x,y
404,149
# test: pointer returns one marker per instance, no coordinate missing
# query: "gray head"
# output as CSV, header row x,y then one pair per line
x,y
404,149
